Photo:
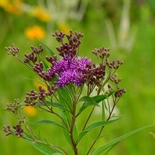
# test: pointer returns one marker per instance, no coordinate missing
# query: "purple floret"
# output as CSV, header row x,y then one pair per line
x,y
69,76
70,70
82,63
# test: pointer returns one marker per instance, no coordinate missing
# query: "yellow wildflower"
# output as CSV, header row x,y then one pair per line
x,y
64,28
12,6
4,3
29,110
35,32
41,14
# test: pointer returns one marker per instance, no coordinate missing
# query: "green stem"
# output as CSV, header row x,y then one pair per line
x,y
74,144
115,102
88,118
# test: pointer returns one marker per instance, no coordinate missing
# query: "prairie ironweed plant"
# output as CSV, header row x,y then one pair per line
x,y
74,84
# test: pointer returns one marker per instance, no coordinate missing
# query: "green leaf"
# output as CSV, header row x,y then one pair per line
x,y
75,132
42,148
65,101
64,95
58,105
63,116
99,124
48,49
89,101
57,154
93,126
67,137
45,148
85,147
115,141
99,98
44,121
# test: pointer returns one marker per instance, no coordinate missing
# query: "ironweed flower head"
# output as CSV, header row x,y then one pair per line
x,y
70,70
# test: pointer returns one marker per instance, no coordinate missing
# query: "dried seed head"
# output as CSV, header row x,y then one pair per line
x,y
69,48
12,50
120,92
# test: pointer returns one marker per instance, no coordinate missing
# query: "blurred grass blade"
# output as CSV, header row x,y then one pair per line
x,y
108,149
44,121
85,147
48,49
115,141
103,111
45,64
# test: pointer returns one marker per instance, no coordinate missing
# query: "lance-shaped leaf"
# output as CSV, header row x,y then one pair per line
x,y
100,98
48,49
67,137
93,126
85,147
44,121
65,101
64,96
42,148
75,132
88,99
95,100
57,105
45,148
117,140
91,101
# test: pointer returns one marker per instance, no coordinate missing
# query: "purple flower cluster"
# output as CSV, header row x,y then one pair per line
x,y
70,70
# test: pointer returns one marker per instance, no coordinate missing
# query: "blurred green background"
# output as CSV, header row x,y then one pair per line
x,y
126,26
